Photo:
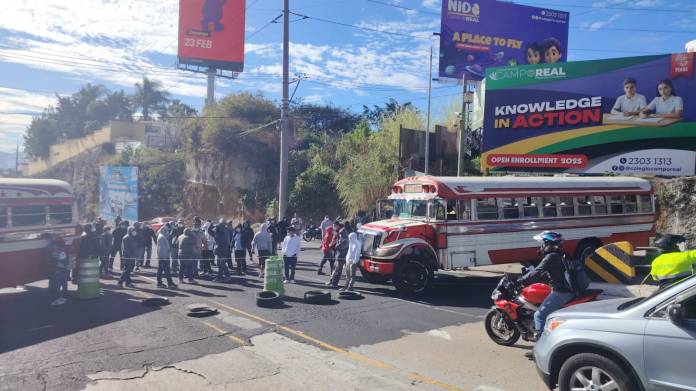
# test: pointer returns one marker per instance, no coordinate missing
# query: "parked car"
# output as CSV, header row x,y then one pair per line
x,y
158,222
646,344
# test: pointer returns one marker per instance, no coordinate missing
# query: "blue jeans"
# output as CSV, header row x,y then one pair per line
x,y
290,265
223,271
163,270
129,264
554,301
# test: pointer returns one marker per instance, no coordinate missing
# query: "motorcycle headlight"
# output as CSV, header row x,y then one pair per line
x,y
495,295
387,251
552,324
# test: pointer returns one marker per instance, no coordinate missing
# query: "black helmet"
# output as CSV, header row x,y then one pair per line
x,y
668,242
550,241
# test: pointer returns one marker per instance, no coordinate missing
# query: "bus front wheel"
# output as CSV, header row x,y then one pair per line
x,y
412,276
373,278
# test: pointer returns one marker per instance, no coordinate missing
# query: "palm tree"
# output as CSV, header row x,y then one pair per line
x,y
149,97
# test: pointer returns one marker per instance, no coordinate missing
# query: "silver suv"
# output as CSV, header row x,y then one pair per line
x,y
623,345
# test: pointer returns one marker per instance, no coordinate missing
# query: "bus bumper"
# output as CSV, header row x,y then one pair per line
x,y
375,266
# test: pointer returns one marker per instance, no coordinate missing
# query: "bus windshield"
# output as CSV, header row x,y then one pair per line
x,y
403,209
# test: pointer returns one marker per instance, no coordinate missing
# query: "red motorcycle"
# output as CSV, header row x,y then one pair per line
x,y
512,315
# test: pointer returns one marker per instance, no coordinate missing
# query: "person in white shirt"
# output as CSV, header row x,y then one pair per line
x,y
631,103
667,104
291,249
353,258
326,223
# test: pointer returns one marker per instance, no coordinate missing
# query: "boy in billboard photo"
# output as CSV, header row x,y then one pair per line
x,y
533,51
666,104
630,103
553,52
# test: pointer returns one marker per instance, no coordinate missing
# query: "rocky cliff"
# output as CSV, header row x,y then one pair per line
x,y
676,206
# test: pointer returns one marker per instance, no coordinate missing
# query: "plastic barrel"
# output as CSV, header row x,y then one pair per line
x,y
273,275
88,279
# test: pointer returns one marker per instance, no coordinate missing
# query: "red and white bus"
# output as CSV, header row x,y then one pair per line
x,y
31,210
449,223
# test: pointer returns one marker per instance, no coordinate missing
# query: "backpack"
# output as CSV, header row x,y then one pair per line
x,y
576,277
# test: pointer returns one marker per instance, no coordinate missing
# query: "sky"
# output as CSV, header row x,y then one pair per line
x,y
50,47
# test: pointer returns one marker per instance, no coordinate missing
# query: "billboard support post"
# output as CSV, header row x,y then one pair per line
x,y
211,87
427,123
461,136
284,124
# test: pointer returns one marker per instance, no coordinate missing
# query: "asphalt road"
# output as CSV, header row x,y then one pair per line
x,y
57,348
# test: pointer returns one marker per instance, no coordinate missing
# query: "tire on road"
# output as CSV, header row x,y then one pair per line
x,y
155,301
493,318
268,299
412,276
317,297
373,278
350,295
202,312
584,365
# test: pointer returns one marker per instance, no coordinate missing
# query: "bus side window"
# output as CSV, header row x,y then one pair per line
x,y
486,209
646,205
59,214
464,209
616,205
584,206
600,205
630,204
452,212
549,207
510,207
567,207
530,207
27,215
3,217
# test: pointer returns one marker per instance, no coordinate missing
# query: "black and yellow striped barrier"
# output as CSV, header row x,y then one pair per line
x,y
613,263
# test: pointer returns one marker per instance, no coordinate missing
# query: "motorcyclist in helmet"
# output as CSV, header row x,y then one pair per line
x,y
551,247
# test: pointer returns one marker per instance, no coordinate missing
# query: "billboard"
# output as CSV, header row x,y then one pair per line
x,y
118,192
477,34
211,33
634,115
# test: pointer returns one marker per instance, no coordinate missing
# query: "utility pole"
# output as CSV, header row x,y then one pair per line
x,y
284,120
427,122
211,87
461,136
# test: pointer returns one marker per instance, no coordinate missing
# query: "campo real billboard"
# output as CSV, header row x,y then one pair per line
x,y
118,192
634,115
476,34
211,33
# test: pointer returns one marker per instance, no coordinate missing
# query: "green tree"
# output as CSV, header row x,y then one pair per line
x,y
314,194
149,97
176,109
328,119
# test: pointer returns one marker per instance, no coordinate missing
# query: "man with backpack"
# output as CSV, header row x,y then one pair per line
x,y
554,266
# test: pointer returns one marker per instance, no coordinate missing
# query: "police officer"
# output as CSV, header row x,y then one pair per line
x,y
672,265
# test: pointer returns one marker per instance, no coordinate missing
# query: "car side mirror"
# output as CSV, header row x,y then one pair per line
x,y
676,313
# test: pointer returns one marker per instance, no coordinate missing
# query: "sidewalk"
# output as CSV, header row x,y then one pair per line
x,y
611,291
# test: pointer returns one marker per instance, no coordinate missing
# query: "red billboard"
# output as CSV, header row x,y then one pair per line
x,y
211,33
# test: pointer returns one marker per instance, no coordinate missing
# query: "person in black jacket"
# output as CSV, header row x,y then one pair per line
x,y
89,247
118,235
552,266
106,243
247,237
149,237
177,231
128,257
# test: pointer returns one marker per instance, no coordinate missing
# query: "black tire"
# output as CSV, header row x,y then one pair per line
x,y
585,363
496,318
202,312
268,299
306,237
373,278
317,297
412,276
155,301
584,250
350,295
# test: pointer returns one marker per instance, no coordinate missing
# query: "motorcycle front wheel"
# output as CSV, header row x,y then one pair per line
x,y
500,328
307,237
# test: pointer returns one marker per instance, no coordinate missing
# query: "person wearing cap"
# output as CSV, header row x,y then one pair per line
x,y
341,250
290,249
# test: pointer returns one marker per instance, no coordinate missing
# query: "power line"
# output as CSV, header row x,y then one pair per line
x,y
404,8
274,20
357,27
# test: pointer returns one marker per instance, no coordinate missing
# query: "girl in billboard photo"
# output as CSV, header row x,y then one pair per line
x,y
533,53
666,104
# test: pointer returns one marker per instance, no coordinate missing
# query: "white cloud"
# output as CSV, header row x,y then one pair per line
x,y
594,26
16,109
432,4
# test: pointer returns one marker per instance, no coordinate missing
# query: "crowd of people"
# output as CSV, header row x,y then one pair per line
x,y
191,252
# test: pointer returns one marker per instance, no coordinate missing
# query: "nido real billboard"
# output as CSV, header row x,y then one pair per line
x,y
630,116
477,34
211,33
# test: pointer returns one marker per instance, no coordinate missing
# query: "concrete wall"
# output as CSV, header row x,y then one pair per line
x,y
67,150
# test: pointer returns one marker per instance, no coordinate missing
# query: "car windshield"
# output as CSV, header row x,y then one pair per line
x,y
639,300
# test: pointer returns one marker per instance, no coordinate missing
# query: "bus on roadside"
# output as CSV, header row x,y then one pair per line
x,y
449,223
31,211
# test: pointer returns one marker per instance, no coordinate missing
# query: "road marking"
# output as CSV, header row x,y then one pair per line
x,y
355,356
225,333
